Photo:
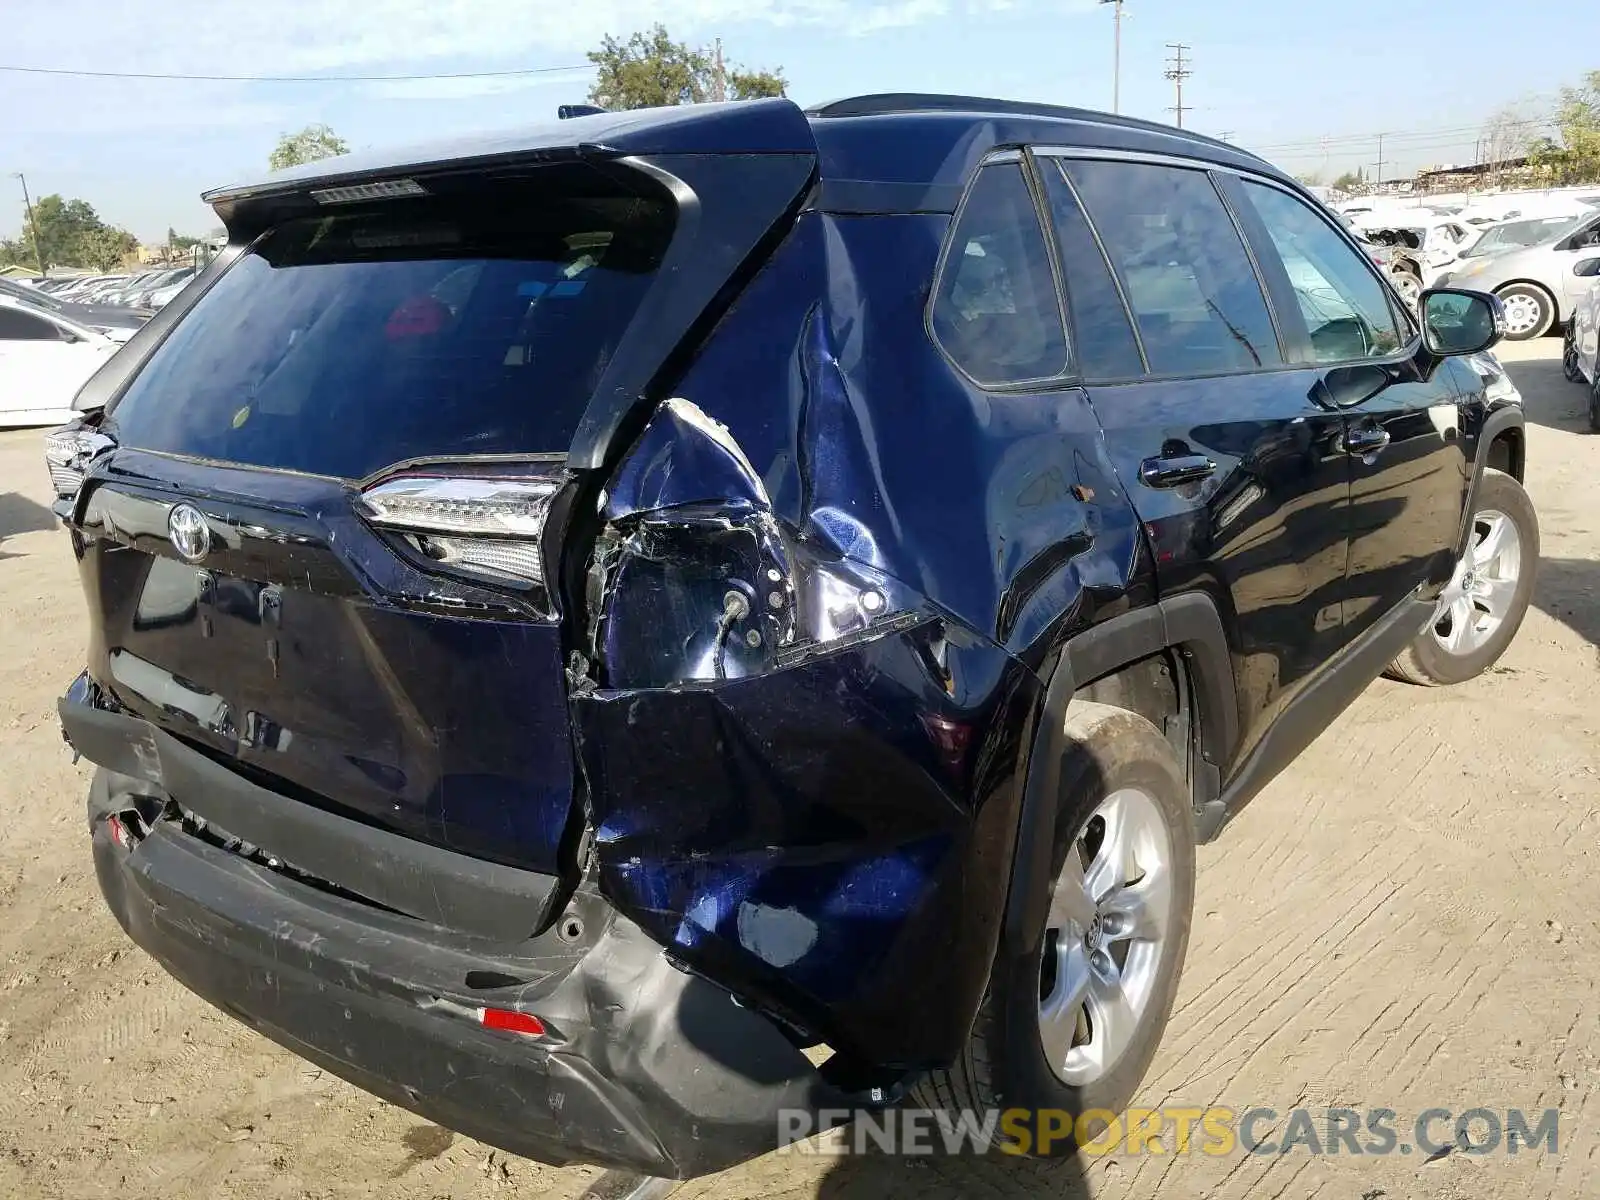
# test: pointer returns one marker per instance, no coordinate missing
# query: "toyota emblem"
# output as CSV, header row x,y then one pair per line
x,y
189,531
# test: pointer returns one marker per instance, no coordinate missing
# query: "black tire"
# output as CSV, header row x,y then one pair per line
x,y
1547,310
1569,351
1594,401
1426,661
1004,1064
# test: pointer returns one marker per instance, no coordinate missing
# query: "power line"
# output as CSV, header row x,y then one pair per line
x,y
1177,72
76,74
1346,139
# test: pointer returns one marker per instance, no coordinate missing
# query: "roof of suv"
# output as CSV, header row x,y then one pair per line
x,y
902,140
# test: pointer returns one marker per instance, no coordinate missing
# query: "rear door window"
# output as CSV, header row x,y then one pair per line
x,y
346,342
1103,336
1183,267
996,311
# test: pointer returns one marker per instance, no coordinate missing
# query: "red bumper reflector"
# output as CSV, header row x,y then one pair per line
x,y
119,834
512,1022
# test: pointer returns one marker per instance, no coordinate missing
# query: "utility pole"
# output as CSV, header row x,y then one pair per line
x,y
1226,135
1380,162
1116,55
719,76
1177,71
33,225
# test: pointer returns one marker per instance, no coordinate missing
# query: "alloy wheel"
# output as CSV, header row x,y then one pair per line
x,y
1484,587
1111,911
1523,314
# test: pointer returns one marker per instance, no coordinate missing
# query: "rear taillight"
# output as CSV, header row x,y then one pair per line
x,y
482,525
68,453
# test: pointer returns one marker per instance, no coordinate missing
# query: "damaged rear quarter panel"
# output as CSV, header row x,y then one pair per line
x,y
830,837
830,840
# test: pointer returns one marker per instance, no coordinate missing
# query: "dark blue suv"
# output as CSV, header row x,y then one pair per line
x,y
604,635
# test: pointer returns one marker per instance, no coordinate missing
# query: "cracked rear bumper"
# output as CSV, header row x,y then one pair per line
x,y
642,1067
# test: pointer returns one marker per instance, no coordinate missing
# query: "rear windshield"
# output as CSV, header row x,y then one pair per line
x,y
341,344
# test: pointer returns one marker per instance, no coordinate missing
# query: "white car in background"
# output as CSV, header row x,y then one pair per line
x,y
44,360
1581,349
1435,241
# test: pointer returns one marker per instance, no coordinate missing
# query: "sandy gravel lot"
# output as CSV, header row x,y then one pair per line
x,y
1406,919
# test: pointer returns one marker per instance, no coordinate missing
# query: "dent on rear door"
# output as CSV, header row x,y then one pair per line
x,y
820,582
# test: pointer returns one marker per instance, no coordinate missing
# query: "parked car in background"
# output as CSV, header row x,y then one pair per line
x,y
905,528
167,292
116,323
1580,357
95,291
1434,243
44,359
165,283
1403,269
1533,278
131,289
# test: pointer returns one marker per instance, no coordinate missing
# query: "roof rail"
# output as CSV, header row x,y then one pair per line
x,y
888,103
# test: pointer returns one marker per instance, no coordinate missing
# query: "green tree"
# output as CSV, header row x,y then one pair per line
x,y
180,242
105,248
1311,178
1349,181
745,84
71,233
62,225
1577,117
650,70
310,144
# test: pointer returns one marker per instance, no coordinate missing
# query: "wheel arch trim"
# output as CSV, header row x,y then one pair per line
x,y
1188,624
1498,422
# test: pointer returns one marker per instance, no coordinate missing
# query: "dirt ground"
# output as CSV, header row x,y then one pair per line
x,y
1406,919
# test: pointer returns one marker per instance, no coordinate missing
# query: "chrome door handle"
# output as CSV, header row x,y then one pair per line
x,y
1176,470
1365,439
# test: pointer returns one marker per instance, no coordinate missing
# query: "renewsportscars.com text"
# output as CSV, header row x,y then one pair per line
x,y
1174,1129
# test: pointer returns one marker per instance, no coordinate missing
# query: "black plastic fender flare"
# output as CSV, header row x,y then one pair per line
x,y
1496,423
1188,624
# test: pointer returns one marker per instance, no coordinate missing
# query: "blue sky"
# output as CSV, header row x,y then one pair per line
x,y
1275,74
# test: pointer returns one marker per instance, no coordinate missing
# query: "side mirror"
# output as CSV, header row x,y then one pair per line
x,y
1587,268
1456,321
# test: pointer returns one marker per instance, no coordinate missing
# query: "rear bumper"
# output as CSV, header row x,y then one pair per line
x,y
642,1066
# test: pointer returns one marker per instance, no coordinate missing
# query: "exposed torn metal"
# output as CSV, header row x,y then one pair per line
x,y
789,775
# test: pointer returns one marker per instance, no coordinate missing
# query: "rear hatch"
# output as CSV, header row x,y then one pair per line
x,y
323,543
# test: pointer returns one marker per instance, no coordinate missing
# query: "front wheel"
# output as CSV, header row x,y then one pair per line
x,y
1073,1018
1482,607
1529,312
1410,288
1594,400
1569,351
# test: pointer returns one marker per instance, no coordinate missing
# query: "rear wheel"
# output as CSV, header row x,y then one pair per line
x,y
1529,311
1482,607
1594,400
1073,1026
1569,351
